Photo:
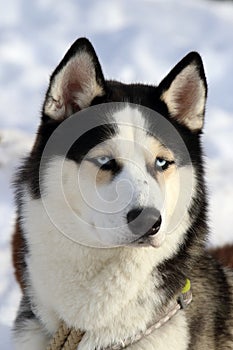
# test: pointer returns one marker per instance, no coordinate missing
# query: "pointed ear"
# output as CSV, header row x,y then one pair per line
x,y
184,91
76,81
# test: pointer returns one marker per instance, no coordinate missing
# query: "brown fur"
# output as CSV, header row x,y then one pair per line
x,y
224,255
18,245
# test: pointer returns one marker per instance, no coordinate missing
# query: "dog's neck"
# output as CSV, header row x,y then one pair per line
x,y
118,287
110,280
109,261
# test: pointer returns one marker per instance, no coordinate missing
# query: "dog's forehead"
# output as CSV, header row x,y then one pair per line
x,y
131,124
132,134
129,116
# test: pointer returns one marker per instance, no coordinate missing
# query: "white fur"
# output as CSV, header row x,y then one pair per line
x,y
34,337
173,335
97,290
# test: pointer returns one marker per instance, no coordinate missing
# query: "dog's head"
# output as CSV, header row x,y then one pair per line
x,y
123,166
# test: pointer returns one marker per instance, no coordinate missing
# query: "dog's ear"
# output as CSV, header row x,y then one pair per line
x,y
184,91
76,81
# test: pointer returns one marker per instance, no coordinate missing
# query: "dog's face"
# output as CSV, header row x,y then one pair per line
x,y
129,175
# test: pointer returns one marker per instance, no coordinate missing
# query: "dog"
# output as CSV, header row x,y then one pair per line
x,y
112,215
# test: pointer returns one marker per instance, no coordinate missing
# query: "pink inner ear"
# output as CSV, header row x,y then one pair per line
x,y
187,98
78,84
69,96
73,81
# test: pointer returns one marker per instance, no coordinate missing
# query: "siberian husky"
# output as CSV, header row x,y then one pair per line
x,y
112,215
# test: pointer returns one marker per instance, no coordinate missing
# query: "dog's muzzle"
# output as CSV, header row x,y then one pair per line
x,y
144,222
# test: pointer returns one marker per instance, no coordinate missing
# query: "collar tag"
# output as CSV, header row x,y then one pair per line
x,y
185,297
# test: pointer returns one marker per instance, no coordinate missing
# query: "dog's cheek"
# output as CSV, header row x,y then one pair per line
x,y
178,194
171,191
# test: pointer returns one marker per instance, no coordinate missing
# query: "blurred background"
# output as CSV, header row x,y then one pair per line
x,y
137,41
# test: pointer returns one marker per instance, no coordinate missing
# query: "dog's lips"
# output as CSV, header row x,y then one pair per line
x,y
154,240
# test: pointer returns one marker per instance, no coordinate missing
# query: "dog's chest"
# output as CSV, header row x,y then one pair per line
x,y
172,335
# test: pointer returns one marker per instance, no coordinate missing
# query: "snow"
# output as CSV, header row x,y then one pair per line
x,y
136,40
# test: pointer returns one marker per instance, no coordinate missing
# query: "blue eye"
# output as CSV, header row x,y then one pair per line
x,y
102,160
162,164
106,163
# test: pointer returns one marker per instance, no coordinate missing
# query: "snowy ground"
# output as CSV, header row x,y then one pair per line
x,y
136,41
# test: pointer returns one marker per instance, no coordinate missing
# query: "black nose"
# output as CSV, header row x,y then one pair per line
x,y
144,221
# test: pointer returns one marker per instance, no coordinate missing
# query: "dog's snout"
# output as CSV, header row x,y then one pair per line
x,y
144,221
